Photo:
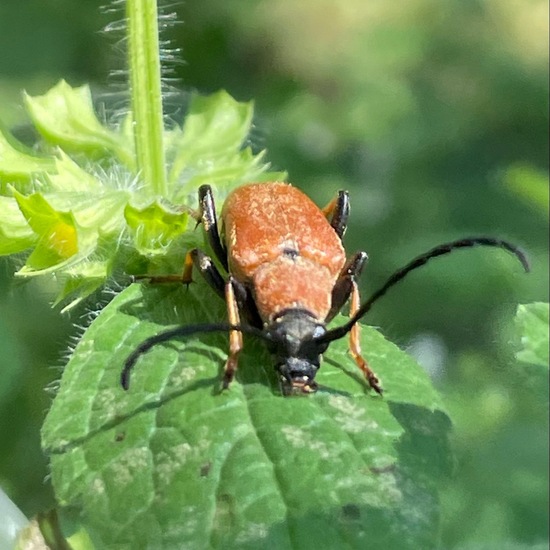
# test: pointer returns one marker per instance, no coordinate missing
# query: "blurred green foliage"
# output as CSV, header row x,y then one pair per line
x,y
434,116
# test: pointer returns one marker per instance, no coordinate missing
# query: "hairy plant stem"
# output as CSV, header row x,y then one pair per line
x,y
145,89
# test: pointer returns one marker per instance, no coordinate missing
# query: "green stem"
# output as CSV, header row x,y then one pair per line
x,y
145,85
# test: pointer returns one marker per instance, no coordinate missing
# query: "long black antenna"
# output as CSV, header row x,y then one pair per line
x,y
400,274
170,334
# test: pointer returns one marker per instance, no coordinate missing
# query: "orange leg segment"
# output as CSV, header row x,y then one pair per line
x,y
235,336
185,278
330,207
355,346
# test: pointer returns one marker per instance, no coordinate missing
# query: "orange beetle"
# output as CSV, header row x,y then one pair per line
x,y
289,277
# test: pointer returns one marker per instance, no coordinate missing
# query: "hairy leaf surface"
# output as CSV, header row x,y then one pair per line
x,y
174,463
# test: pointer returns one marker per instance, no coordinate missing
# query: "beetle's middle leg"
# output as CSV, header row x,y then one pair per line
x,y
345,288
235,336
206,214
203,263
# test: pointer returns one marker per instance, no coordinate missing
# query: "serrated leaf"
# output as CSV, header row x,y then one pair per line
x,y
15,233
18,162
172,463
154,227
65,116
103,213
79,214
532,324
242,167
70,177
61,242
82,280
213,133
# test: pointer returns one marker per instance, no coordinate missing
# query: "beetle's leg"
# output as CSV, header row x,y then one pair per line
x,y
344,284
203,263
346,287
207,269
337,210
185,278
235,336
246,303
355,346
210,223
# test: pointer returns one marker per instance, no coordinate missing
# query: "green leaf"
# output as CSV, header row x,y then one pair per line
x,y
103,213
154,227
15,233
242,167
18,162
70,177
81,280
214,131
532,327
65,117
61,242
76,210
175,462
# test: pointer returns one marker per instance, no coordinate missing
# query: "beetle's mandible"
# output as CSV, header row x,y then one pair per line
x,y
288,276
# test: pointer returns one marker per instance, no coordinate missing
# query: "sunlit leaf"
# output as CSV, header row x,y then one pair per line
x,y
18,162
74,211
208,147
174,460
15,233
70,177
154,227
65,116
59,237
81,280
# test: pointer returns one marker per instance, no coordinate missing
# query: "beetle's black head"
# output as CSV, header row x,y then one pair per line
x,y
296,352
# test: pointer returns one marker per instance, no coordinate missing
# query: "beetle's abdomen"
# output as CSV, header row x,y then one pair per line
x,y
281,244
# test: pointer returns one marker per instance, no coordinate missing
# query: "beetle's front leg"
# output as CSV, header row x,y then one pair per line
x,y
355,346
344,284
344,289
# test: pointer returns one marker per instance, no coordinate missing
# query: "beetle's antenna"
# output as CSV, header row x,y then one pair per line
x,y
170,334
419,261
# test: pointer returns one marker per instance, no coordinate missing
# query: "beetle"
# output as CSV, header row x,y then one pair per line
x,y
288,276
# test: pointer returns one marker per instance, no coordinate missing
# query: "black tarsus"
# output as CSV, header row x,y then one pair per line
x,y
339,219
188,330
419,261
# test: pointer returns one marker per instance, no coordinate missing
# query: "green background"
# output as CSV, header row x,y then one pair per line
x,y
432,114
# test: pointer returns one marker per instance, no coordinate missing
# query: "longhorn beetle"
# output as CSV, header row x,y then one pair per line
x,y
288,276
